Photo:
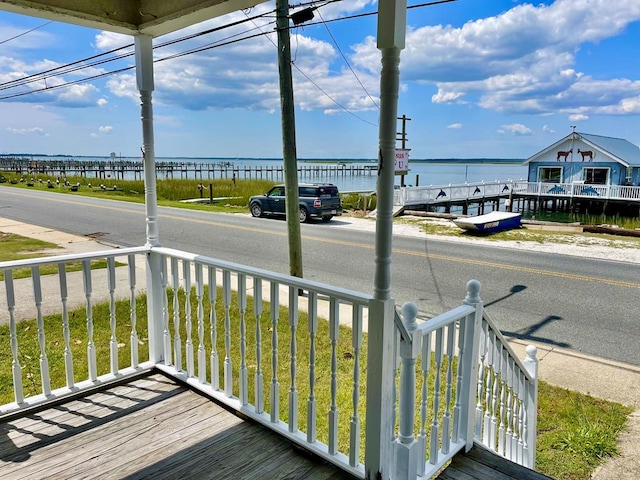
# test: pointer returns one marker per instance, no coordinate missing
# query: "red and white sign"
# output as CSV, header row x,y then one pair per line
x,y
401,164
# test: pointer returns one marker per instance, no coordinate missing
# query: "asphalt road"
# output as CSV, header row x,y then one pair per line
x,y
583,304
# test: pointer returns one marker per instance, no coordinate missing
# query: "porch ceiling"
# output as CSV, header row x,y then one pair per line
x,y
131,17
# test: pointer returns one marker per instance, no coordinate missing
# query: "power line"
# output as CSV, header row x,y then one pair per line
x,y
24,33
64,69
347,62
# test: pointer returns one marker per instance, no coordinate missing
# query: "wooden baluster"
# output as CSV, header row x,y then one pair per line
x,y
275,385
489,412
186,281
66,333
166,326
435,432
356,330
228,365
425,365
113,342
334,317
521,413
44,362
133,316
16,369
293,352
525,426
91,349
177,341
503,401
405,448
500,397
242,306
311,400
457,408
259,377
446,419
510,404
496,347
481,378
516,414
213,319
202,363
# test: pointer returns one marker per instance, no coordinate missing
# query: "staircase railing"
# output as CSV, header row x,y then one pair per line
x,y
469,386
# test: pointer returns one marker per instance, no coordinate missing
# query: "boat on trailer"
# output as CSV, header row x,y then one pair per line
x,y
490,223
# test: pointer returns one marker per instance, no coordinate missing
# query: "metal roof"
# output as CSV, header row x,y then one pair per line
x,y
618,149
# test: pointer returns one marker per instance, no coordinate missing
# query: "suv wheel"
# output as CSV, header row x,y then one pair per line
x,y
256,209
304,215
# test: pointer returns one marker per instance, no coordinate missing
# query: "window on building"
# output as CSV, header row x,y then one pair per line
x,y
595,176
550,174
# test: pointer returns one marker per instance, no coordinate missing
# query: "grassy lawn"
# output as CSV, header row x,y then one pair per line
x,y
17,247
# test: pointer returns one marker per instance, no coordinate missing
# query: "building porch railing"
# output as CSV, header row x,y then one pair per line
x,y
433,194
240,343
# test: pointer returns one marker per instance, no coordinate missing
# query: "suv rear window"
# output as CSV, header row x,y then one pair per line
x,y
329,191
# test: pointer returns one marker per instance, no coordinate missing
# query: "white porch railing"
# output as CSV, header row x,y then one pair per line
x,y
225,342
407,196
578,190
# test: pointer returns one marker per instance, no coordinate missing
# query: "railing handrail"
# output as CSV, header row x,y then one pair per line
x,y
302,283
507,346
72,257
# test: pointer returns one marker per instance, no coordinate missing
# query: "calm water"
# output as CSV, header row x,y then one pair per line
x,y
437,172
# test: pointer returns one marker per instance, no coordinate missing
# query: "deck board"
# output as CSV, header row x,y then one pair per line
x,y
150,428
481,464
155,428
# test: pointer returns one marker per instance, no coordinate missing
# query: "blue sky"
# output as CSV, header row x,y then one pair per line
x,y
498,78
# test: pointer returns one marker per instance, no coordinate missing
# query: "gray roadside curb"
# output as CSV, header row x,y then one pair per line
x,y
600,378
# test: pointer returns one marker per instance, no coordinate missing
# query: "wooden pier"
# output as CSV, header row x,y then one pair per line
x,y
522,196
133,170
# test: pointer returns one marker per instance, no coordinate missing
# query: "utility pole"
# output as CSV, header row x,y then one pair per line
x,y
403,139
289,138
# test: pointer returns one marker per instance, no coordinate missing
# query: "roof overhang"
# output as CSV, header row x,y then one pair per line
x,y
130,17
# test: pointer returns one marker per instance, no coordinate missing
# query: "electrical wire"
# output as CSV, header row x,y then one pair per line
x,y
347,62
24,33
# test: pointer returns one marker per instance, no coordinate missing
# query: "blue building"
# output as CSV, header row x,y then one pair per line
x,y
582,158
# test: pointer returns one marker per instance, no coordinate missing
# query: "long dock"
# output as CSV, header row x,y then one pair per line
x,y
521,196
134,170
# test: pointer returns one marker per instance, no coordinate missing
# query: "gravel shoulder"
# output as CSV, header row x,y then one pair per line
x,y
621,249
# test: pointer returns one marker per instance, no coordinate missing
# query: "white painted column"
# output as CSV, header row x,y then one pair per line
x,y
144,77
380,361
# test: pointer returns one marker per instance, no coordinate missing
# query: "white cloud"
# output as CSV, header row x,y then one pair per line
x,y
521,61
105,129
102,102
26,131
547,129
578,117
455,125
516,129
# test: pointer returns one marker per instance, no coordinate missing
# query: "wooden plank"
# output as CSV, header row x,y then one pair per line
x,y
88,442
480,463
172,433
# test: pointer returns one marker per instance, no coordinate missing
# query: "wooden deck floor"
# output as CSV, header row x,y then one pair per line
x,y
481,464
153,428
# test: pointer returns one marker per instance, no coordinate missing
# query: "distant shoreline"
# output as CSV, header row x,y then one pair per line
x,y
325,161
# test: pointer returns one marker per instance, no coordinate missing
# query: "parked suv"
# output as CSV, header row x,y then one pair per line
x,y
317,200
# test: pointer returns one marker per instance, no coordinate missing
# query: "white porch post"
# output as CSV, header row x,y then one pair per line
x,y
144,77
380,371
